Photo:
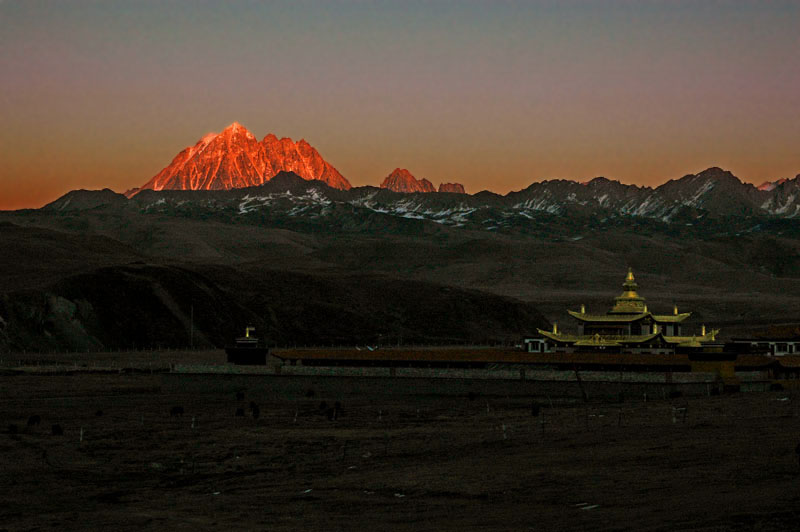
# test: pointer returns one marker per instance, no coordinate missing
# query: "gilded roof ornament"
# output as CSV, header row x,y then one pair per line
x,y
630,282
630,302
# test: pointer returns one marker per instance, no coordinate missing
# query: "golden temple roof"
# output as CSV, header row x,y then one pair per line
x,y
606,317
596,339
624,318
671,318
614,340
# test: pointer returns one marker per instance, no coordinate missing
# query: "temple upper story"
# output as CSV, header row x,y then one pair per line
x,y
629,316
628,326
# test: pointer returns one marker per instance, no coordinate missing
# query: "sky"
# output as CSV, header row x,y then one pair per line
x,y
494,95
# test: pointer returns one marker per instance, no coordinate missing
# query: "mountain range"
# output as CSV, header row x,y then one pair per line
x,y
235,159
712,195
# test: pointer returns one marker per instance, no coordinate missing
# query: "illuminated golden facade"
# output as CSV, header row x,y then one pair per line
x,y
628,327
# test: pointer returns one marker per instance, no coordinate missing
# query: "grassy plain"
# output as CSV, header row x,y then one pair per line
x,y
389,461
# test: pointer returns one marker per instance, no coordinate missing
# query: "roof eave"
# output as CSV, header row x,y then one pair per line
x,y
671,318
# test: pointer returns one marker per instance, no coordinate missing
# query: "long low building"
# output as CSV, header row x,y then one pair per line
x,y
478,358
772,346
725,363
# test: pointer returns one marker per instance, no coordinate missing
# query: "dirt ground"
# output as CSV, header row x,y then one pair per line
x,y
388,461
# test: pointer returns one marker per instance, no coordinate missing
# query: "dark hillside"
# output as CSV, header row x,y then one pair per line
x,y
34,256
144,305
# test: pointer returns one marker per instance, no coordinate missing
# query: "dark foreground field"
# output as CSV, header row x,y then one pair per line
x,y
389,462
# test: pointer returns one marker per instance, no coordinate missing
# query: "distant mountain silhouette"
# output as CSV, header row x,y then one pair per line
x,y
80,200
713,193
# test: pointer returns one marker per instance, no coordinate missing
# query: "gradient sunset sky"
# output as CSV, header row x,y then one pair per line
x,y
494,95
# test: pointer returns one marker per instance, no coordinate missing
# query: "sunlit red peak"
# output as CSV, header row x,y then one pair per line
x,y
235,159
401,180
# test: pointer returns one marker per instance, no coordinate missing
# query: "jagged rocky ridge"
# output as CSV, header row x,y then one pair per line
x,y
401,180
711,194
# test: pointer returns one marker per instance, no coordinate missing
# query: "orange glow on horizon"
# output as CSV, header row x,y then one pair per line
x,y
491,95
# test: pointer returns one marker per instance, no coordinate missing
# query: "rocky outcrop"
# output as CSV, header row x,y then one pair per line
x,y
456,188
768,186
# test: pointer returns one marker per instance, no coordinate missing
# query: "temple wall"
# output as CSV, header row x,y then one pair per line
x,y
340,382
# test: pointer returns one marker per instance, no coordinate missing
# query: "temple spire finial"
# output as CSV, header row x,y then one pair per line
x,y
629,302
